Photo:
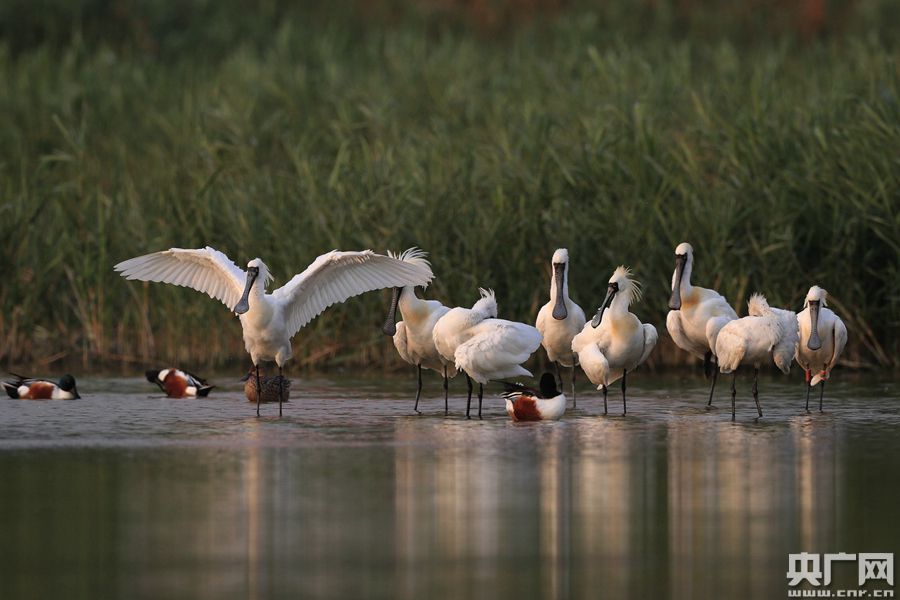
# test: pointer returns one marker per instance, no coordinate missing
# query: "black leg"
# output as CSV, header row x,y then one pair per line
x,y
821,395
258,390
419,388
707,364
280,388
733,392
624,407
559,375
574,397
808,388
605,392
712,388
756,391
480,395
446,391
469,401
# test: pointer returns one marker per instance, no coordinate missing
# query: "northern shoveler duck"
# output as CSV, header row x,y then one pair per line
x,y
24,388
561,319
273,388
823,336
269,321
526,404
178,384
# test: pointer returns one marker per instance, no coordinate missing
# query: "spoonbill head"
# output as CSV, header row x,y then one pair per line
x,y
823,336
622,290
684,264
560,319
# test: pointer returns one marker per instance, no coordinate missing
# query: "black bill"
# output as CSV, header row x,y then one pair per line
x,y
243,304
560,312
390,324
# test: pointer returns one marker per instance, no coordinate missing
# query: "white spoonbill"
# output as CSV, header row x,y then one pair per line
x,y
413,335
560,319
526,404
697,314
615,341
483,346
822,339
766,334
269,321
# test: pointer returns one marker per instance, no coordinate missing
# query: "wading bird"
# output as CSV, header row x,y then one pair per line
x,y
483,346
560,320
615,341
767,334
269,321
413,336
822,339
178,384
25,388
274,388
526,404
697,314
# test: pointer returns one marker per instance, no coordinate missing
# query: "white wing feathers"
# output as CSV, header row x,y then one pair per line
x,y
206,270
336,276
496,348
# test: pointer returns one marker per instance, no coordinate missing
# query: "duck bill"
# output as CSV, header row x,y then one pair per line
x,y
675,299
814,343
390,324
560,312
243,304
610,294
75,394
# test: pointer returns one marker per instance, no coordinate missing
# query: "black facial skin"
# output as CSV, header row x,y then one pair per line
x,y
814,343
675,300
390,325
243,304
611,292
559,306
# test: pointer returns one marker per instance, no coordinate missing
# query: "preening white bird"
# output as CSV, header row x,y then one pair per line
x,y
697,314
767,334
561,319
615,341
413,336
823,336
269,321
483,346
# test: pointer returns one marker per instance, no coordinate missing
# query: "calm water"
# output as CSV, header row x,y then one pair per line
x,y
126,494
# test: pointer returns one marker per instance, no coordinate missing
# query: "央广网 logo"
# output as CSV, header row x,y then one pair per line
x,y
815,569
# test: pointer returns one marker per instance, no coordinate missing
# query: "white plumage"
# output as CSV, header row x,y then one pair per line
x,y
269,321
766,334
615,342
560,320
483,346
823,336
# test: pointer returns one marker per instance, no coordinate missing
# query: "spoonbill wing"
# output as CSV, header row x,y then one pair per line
x,y
840,340
205,269
650,337
496,348
336,276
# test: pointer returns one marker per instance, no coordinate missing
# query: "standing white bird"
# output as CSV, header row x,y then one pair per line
x,y
483,346
766,334
269,321
413,335
615,341
697,314
822,339
560,320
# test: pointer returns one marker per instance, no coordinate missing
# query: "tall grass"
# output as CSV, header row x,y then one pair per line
x,y
779,161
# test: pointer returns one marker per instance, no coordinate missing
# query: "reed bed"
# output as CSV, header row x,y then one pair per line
x,y
779,161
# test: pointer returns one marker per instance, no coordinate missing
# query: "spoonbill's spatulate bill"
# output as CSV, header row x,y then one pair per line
x,y
26,388
527,404
823,336
483,346
413,336
179,384
615,341
560,319
697,314
766,334
269,321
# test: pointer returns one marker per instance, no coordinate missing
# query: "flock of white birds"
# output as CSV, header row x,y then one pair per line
x,y
482,346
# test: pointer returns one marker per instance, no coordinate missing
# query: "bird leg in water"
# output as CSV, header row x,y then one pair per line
x,y
605,392
258,390
624,375
712,388
574,398
733,392
446,391
480,395
559,375
280,388
808,388
419,388
707,363
821,395
756,391
469,401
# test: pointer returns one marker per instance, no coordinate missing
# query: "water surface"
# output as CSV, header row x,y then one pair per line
x,y
127,494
